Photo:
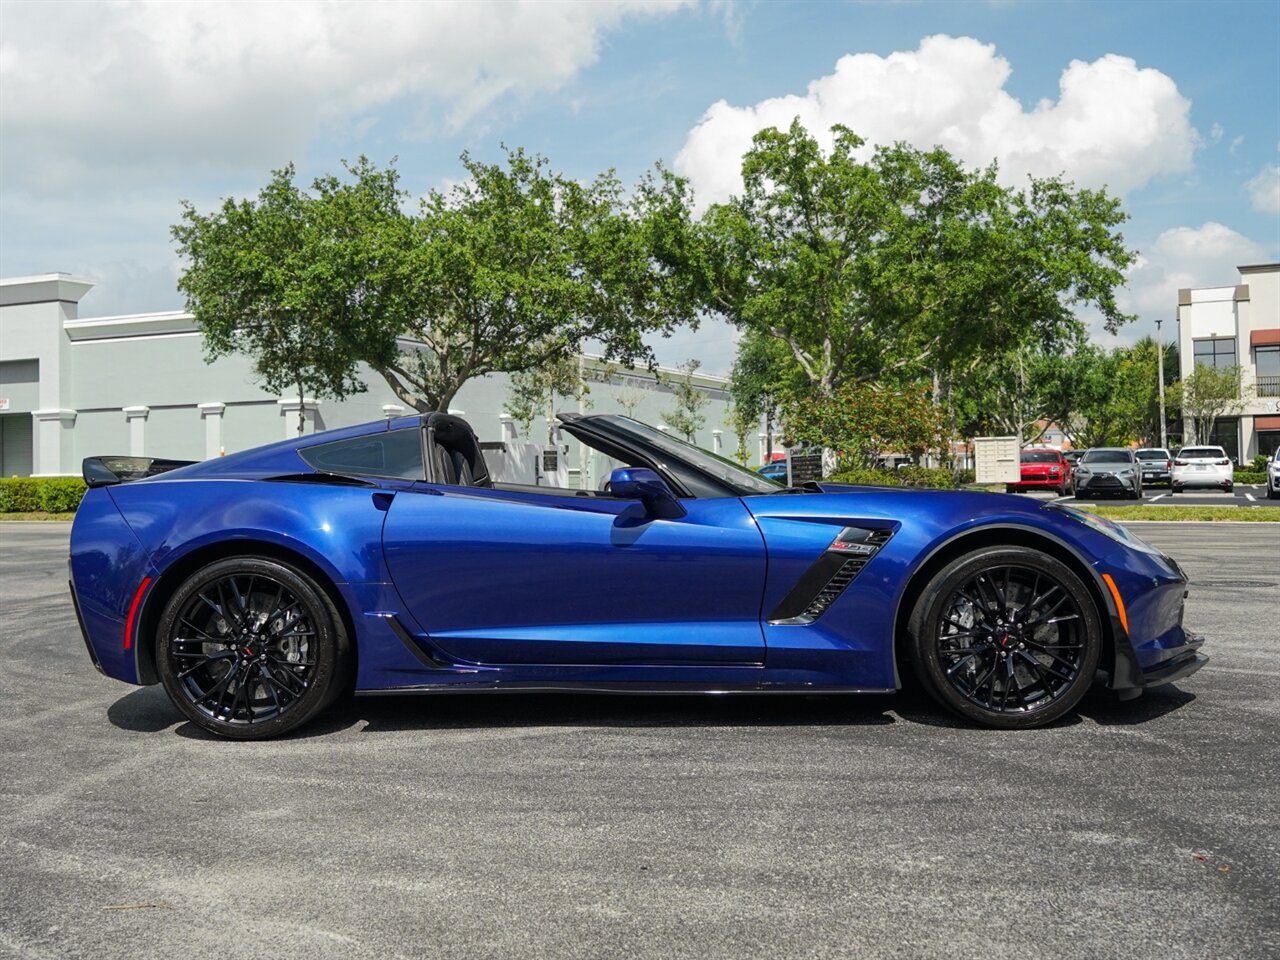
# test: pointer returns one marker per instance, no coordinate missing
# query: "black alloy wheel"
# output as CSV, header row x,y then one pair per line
x,y
1007,636
249,648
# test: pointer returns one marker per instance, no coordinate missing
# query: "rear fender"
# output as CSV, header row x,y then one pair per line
x,y
108,566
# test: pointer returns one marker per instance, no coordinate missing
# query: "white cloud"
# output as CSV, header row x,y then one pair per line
x,y
1264,189
1205,256
1216,132
108,91
1186,257
1113,123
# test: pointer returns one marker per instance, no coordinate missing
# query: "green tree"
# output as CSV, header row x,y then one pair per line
x,y
628,397
905,264
531,392
1135,394
862,420
508,272
1207,394
763,377
513,269
742,423
1020,391
686,417
296,280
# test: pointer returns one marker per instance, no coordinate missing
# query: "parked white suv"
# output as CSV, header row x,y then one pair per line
x,y
1273,476
1202,467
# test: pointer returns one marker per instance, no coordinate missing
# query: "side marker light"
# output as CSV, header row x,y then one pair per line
x,y
1115,594
133,612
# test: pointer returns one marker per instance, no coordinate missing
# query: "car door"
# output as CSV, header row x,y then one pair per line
x,y
518,577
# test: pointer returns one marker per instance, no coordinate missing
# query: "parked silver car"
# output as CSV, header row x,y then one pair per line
x,y
1273,476
1113,470
1156,464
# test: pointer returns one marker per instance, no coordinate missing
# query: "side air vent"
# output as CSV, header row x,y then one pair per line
x,y
830,575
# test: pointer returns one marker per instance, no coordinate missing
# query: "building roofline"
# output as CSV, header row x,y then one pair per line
x,y
1258,267
44,288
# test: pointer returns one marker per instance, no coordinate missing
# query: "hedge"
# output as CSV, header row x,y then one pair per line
x,y
937,478
1249,476
35,494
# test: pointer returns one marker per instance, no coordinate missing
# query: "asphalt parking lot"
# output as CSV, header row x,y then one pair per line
x,y
1247,496
579,826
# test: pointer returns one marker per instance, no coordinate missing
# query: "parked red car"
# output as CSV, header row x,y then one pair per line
x,y
1043,470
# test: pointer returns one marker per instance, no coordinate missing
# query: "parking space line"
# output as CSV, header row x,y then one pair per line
x,y
1250,497
1158,497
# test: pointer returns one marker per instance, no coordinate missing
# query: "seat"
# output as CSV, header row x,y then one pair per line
x,y
445,472
455,452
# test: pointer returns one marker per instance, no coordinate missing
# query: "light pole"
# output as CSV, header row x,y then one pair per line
x,y
1164,440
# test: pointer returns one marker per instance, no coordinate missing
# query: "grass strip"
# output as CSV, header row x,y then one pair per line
x,y
37,515
1190,514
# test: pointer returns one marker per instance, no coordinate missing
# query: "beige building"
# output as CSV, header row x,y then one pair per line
x,y
1239,326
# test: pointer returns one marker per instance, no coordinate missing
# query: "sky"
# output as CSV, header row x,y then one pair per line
x,y
112,114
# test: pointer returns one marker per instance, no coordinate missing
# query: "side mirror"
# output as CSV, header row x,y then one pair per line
x,y
640,483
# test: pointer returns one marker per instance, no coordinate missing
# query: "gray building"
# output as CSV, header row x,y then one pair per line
x,y
73,387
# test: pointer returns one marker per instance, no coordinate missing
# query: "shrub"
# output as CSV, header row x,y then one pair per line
x,y
35,494
934,478
1249,476
61,494
966,477
19,495
937,478
875,478
1259,463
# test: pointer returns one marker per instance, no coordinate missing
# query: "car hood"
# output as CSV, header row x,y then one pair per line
x,y
925,517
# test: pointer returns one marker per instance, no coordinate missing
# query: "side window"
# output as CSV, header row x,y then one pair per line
x,y
396,453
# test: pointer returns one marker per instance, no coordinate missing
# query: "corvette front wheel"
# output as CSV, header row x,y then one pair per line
x,y
1006,636
249,648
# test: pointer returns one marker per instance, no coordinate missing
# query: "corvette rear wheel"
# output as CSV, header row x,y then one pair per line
x,y
249,648
1007,636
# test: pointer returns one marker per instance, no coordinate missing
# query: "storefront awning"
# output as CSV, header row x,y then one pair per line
x,y
1264,338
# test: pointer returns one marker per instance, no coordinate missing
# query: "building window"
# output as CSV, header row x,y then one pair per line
x,y
1219,353
1226,434
1266,361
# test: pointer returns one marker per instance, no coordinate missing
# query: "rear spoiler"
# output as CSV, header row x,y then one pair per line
x,y
105,471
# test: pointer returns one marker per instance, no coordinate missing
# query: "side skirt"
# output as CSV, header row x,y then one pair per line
x,y
624,688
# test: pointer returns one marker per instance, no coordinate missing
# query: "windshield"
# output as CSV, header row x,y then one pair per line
x,y
1040,456
734,475
1108,456
1202,453
1153,454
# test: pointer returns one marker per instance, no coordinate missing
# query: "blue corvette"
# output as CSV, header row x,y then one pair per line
x,y
383,558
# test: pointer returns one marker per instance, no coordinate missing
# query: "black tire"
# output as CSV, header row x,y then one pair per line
x,y
1231,488
1033,631
250,648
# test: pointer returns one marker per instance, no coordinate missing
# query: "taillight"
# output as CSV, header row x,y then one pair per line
x,y
1168,464
1223,463
1181,463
